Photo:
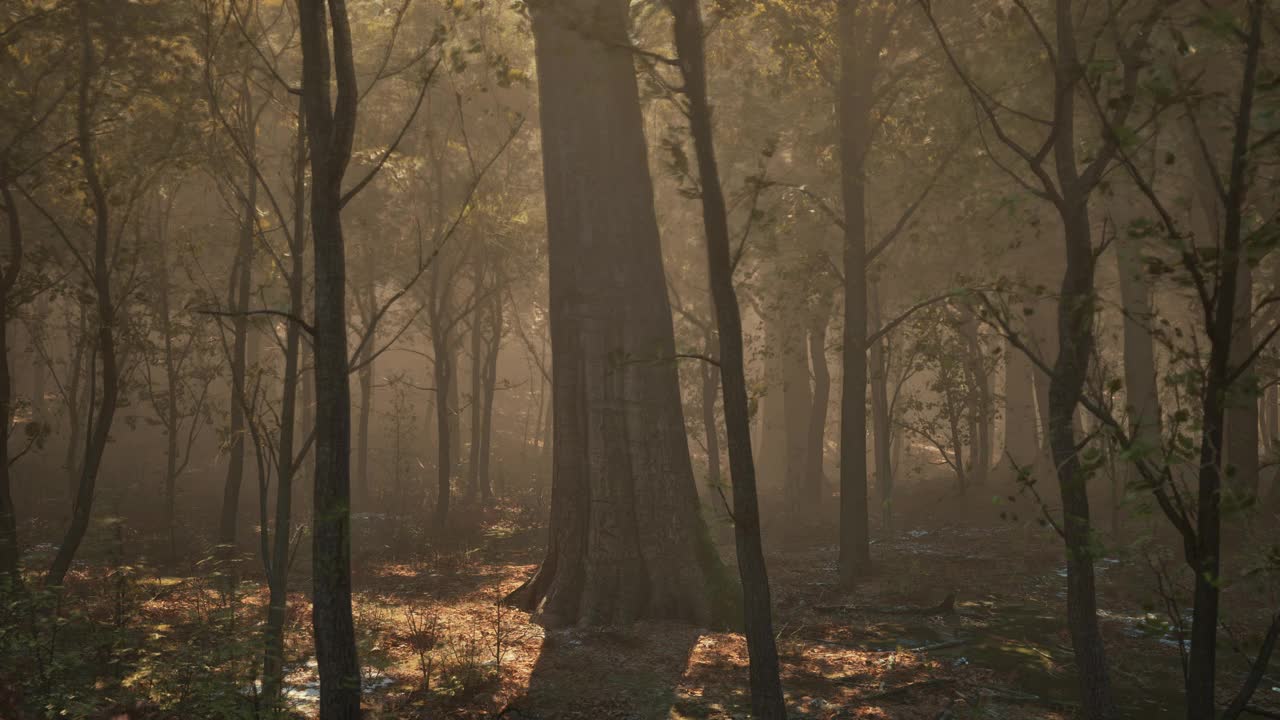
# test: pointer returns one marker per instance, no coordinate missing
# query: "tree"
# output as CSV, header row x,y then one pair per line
x,y
330,122
767,702
627,539
858,68
1216,280
1068,185
24,151
179,397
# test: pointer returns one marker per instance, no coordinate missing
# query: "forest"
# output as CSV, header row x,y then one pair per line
x,y
639,359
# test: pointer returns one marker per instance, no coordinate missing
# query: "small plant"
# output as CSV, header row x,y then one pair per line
x,y
424,634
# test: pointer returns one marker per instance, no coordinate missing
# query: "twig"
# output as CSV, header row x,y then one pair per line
x,y
919,684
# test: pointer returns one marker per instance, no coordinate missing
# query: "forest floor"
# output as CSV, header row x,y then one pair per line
x,y
437,642
890,648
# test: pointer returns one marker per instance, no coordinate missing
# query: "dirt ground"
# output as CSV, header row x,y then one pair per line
x,y
437,642
890,648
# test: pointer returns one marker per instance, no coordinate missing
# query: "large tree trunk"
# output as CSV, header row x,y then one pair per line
x,y
99,428
857,70
767,701
626,537
330,128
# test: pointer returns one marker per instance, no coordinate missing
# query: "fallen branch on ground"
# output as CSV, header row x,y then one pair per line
x,y
932,682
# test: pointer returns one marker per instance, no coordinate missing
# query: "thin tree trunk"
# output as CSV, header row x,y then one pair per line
x,y
39,390
1242,411
364,490
1075,344
488,392
77,411
880,420
710,386
227,525
477,384
1142,400
797,405
172,386
1206,561
10,575
980,418
767,702
99,428
1021,446
330,129
10,572
771,452
816,437
442,370
1269,416
278,562
1042,326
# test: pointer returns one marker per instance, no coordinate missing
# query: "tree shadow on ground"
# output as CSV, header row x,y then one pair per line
x,y
609,673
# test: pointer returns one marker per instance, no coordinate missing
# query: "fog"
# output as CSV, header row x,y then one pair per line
x,y
639,359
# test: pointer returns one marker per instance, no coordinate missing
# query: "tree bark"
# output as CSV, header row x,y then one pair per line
x,y
77,410
368,303
478,358
710,387
227,525
330,129
489,389
857,71
626,539
798,409
882,431
1021,446
10,572
816,436
980,402
438,312
1219,393
277,564
99,428
172,386
1142,399
767,701
1075,343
